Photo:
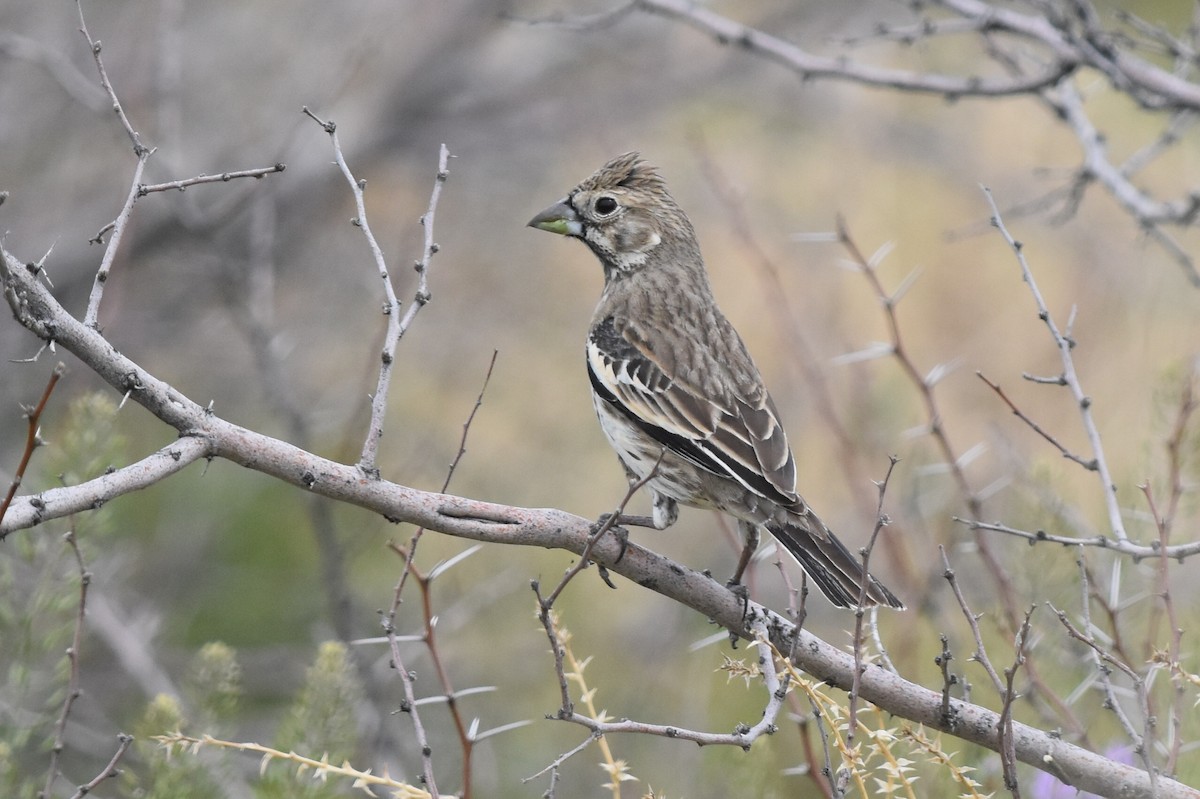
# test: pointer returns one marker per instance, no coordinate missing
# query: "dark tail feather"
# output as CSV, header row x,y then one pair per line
x,y
836,572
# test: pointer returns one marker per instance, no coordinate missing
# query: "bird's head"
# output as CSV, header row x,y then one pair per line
x,y
624,213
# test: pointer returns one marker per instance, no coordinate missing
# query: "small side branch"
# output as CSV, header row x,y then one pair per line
x,y
1065,344
181,185
73,690
32,439
142,152
109,771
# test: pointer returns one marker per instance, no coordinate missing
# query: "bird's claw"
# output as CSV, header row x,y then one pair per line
x,y
606,524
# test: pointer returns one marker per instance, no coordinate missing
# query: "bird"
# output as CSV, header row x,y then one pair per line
x,y
676,392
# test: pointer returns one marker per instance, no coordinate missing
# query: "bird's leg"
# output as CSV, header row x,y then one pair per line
x,y
664,514
750,532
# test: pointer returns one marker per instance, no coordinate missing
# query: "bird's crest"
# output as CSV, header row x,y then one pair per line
x,y
627,171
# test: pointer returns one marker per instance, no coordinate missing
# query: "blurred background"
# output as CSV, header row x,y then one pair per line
x,y
261,298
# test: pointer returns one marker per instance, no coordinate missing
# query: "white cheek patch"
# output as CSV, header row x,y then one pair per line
x,y
640,240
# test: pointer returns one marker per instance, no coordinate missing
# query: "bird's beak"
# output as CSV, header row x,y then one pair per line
x,y
559,218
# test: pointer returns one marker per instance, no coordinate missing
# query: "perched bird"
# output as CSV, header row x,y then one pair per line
x,y
677,394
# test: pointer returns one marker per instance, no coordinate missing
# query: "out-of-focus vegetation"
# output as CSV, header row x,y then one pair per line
x,y
211,607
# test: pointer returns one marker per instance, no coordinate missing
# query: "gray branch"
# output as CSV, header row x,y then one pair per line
x,y
205,434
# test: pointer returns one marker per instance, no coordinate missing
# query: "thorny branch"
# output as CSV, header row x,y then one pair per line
x,y
1102,659
32,439
1064,343
881,521
424,581
73,690
36,309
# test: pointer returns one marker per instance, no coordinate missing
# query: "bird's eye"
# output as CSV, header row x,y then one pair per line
x,y
605,206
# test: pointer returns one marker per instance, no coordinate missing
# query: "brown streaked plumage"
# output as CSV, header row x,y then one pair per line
x,y
671,377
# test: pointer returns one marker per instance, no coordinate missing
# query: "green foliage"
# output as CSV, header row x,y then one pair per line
x,y
320,724
213,686
39,576
164,776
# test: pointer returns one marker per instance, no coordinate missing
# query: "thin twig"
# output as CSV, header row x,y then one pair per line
x,y
410,553
91,318
409,705
139,149
1174,633
73,691
32,439
949,678
1126,547
936,426
609,523
424,582
1089,464
980,654
1065,344
397,329
109,771
881,521
1008,754
1102,659
181,185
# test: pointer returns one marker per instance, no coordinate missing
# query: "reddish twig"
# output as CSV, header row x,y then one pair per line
x,y
1090,465
32,440
424,583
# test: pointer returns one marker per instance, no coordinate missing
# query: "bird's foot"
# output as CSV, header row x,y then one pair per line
x,y
739,589
606,524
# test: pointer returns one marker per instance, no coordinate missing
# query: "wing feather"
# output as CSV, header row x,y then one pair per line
x,y
734,437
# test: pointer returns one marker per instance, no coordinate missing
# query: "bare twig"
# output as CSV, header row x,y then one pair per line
x,y
142,153
182,185
73,690
1174,632
881,521
1064,343
1089,464
1102,659
410,553
1126,547
425,582
391,305
924,384
1008,751
1148,212
32,438
742,737
139,149
1049,50
980,654
949,678
109,771
409,706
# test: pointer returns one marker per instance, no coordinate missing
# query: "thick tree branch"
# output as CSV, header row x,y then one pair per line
x,y
37,310
809,66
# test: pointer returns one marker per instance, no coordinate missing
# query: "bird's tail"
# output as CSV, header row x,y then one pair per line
x,y
836,572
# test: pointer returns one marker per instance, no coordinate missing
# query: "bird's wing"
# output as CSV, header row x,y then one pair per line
x,y
731,436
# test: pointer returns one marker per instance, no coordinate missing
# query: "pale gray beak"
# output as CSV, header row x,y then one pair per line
x,y
559,218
